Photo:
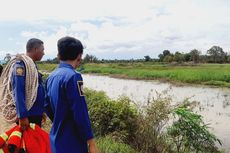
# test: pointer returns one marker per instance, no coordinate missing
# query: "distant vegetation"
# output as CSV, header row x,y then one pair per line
x,y
205,74
214,55
210,69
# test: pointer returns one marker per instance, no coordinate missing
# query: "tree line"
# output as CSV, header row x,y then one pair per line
x,y
215,54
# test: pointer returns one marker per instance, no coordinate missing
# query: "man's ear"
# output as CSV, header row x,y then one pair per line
x,y
79,58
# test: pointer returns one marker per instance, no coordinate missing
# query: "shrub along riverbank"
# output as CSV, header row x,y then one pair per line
x,y
124,127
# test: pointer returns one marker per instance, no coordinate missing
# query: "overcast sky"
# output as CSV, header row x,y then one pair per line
x,y
118,29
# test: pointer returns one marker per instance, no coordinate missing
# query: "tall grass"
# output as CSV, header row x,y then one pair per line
x,y
206,74
210,74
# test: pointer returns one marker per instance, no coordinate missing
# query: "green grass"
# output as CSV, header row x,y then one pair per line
x,y
47,67
206,74
108,145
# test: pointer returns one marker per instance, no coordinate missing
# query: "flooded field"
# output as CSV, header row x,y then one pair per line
x,y
214,102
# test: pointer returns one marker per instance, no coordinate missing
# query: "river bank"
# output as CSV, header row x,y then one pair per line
x,y
214,75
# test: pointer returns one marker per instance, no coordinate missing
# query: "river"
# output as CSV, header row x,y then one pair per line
x,y
214,102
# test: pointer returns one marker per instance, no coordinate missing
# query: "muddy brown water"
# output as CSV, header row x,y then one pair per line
x,y
214,102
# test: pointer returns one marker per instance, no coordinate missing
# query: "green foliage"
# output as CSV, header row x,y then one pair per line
x,y
147,58
161,57
120,126
179,57
7,58
145,130
187,57
109,145
217,54
168,58
117,118
195,54
166,53
51,61
190,134
150,135
47,67
90,59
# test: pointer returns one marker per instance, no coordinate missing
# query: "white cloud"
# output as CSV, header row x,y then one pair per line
x,y
73,9
125,27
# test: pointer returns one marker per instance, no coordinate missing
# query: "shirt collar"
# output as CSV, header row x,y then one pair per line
x,y
63,64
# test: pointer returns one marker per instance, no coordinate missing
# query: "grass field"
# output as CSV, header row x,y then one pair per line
x,y
206,74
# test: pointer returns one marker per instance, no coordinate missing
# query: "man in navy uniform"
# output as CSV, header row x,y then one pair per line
x,y
66,106
34,50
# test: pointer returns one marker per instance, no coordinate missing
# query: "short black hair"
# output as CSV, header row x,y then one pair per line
x,y
33,43
69,48
1,68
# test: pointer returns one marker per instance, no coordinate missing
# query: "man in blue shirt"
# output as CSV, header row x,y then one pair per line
x,y
35,51
66,106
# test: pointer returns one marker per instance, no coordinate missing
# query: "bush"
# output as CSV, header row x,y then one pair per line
x,y
108,117
190,134
108,145
150,135
150,129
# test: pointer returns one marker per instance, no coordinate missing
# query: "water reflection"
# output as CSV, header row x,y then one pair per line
x,y
214,102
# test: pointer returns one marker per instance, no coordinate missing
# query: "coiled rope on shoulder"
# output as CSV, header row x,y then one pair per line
x,y
7,102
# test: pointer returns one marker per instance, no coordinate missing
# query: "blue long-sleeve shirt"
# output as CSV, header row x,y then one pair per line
x,y
67,107
18,86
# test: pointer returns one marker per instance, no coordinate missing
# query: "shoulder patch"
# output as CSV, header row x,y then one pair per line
x,y
20,71
80,88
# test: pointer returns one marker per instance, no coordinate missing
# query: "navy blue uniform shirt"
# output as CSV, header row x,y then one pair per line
x,y
67,108
18,86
